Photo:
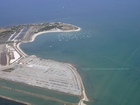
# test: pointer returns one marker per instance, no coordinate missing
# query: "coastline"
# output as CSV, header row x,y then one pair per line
x,y
40,33
84,96
51,31
16,46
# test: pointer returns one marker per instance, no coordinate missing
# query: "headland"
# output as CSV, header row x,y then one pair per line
x,y
17,66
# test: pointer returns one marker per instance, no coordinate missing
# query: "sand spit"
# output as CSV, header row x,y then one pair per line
x,y
51,31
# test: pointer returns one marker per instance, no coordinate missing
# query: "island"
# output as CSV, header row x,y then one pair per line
x,y
17,66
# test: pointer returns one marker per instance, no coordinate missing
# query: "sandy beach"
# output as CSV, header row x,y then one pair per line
x,y
55,30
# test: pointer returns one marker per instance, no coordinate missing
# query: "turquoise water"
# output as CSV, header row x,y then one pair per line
x,y
106,52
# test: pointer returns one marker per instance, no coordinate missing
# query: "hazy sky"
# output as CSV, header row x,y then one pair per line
x,y
37,10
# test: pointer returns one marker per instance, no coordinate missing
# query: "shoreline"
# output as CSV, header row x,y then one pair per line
x,y
40,33
51,31
18,47
84,98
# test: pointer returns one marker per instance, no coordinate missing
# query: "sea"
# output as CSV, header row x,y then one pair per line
x,y
106,51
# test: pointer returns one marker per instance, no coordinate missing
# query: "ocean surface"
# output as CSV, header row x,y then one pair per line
x,y
106,52
8,102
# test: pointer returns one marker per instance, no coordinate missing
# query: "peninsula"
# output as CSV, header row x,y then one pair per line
x,y
17,66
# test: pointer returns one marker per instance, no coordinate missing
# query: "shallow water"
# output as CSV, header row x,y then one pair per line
x,y
106,57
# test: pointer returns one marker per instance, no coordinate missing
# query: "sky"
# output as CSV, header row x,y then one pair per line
x,y
15,11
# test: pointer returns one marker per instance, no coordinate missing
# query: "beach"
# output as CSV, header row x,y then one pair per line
x,y
51,31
